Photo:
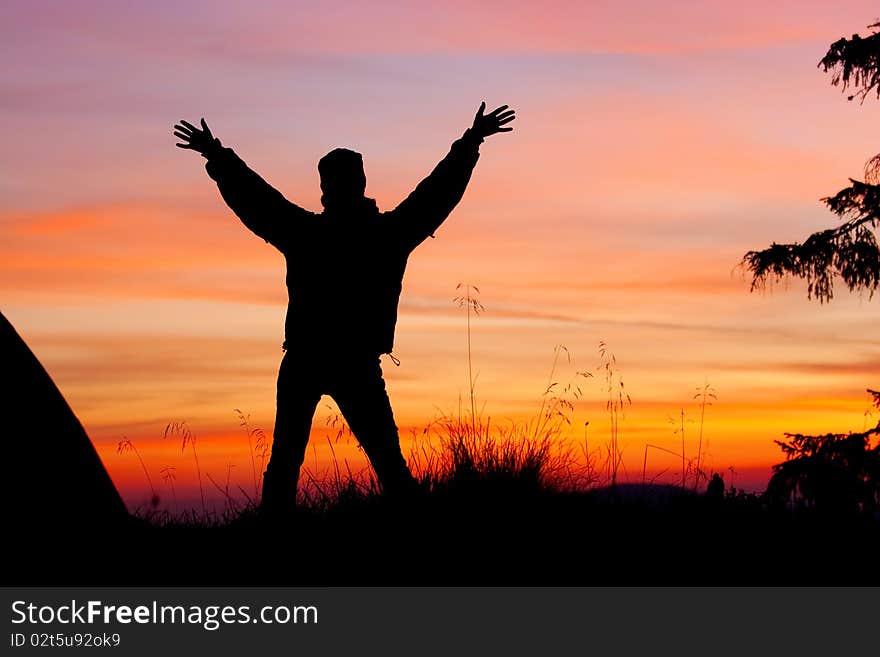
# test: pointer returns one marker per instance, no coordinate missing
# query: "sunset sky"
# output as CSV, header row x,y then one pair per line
x,y
655,144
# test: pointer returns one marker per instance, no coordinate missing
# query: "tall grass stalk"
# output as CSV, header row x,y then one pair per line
x,y
591,475
542,418
181,430
675,432
125,445
618,399
683,467
704,394
645,461
469,300
257,446
168,477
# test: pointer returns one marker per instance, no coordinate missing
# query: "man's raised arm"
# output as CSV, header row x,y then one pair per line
x,y
422,212
261,207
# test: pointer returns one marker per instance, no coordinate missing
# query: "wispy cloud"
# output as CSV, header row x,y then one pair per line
x,y
274,28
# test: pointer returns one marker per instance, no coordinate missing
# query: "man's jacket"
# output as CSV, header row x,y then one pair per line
x,y
344,267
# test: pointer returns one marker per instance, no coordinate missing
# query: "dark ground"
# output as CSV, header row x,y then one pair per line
x,y
473,537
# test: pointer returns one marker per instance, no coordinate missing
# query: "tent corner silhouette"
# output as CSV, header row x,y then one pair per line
x,y
54,476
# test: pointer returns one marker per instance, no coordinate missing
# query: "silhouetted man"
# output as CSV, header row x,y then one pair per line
x,y
344,273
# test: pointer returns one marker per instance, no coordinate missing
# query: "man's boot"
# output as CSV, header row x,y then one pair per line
x,y
279,493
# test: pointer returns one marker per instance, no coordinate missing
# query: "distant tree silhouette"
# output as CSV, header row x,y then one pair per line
x,y
850,251
833,472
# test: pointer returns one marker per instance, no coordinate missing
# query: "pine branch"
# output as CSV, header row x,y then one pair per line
x,y
855,62
849,252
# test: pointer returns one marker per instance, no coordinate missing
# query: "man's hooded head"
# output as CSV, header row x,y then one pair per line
x,y
343,181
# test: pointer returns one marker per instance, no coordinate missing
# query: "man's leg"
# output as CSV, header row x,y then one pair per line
x,y
359,391
298,396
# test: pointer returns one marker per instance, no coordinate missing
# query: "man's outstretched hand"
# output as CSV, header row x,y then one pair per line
x,y
489,124
201,141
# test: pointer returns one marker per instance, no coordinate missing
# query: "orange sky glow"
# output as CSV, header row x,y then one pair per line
x,y
655,144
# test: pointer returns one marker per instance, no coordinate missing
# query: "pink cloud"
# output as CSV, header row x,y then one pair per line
x,y
276,30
